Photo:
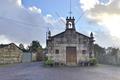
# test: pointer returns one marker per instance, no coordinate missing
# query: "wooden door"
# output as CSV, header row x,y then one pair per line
x,y
71,57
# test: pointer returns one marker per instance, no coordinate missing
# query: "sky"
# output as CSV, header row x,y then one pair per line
x,y
22,21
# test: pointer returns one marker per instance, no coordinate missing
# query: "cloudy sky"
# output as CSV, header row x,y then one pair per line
x,y
22,21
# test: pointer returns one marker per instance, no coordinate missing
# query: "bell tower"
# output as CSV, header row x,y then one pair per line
x,y
70,23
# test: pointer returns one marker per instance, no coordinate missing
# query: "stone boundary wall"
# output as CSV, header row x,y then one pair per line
x,y
109,59
10,55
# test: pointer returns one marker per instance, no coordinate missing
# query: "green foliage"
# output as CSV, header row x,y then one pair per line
x,y
45,58
35,46
21,46
49,62
93,61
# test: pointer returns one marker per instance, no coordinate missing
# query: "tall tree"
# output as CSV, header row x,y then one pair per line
x,y
99,50
21,46
112,51
35,46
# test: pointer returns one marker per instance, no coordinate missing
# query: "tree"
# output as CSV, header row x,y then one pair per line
x,y
99,53
21,46
98,49
35,46
112,51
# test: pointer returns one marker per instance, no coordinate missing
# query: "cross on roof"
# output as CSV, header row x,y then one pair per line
x,y
70,9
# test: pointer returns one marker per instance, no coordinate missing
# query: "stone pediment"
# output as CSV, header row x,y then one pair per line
x,y
69,34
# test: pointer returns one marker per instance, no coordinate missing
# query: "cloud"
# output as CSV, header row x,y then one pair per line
x,y
13,19
106,15
88,4
4,39
19,2
35,9
51,20
22,25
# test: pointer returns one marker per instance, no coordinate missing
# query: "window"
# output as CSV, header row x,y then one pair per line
x,y
56,51
84,42
70,25
83,51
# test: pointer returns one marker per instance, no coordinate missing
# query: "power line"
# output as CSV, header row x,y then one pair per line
x,y
80,16
16,21
59,16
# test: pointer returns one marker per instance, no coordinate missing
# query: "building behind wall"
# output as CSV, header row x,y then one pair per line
x,y
70,47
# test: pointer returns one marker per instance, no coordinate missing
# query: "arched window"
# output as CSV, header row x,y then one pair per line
x,y
70,25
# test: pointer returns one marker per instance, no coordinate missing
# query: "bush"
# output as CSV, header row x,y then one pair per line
x,y
49,62
45,58
93,61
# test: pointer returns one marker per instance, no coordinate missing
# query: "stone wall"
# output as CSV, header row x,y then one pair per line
x,y
111,59
10,54
71,39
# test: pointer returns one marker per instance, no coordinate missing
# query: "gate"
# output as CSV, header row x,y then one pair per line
x,y
26,57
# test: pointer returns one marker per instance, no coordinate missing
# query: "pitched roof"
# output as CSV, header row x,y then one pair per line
x,y
58,34
3,45
82,34
6,45
65,31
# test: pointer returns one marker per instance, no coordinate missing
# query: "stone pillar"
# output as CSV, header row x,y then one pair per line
x,y
91,45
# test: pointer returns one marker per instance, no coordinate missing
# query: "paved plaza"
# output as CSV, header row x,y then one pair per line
x,y
36,71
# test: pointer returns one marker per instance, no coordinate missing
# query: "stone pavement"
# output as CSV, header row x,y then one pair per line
x,y
35,71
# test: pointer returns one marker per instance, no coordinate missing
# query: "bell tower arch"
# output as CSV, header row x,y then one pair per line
x,y
70,23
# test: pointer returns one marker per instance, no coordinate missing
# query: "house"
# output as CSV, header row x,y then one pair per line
x,y
70,47
10,53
